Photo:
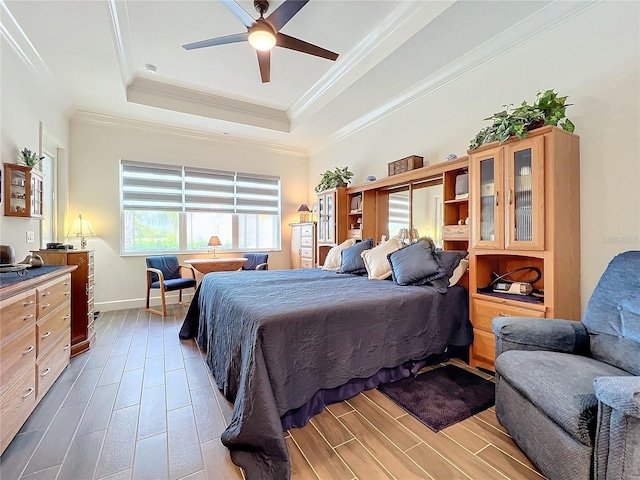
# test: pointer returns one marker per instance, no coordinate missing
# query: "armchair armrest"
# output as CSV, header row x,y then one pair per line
x,y
620,393
157,272
522,333
262,266
189,268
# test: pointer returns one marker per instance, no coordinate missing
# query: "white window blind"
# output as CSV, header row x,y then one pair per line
x,y
147,186
209,190
257,194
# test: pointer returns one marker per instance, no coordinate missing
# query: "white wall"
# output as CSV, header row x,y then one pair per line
x,y
95,152
595,60
25,102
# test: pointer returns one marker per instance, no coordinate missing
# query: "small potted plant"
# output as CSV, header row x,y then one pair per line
x,y
549,109
29,158
339,177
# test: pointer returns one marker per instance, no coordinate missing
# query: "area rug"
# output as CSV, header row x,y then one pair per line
x,y
442,396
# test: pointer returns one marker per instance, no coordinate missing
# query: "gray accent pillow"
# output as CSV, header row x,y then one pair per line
x,y
449,260
352,261
416,264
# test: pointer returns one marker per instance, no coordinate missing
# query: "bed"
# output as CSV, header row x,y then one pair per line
x,y
282,344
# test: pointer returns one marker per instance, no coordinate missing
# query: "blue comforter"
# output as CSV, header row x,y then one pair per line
x,y
274,338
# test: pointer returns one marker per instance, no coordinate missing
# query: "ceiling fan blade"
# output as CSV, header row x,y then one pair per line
x,y
285,12
240,13
291,43
264,61
235,38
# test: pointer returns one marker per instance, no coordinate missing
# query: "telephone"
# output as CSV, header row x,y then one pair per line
x,y
502,284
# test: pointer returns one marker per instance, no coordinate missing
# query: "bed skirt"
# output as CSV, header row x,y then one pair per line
x,y
299,417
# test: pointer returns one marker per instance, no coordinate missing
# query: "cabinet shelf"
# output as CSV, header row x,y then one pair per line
x,y
456,201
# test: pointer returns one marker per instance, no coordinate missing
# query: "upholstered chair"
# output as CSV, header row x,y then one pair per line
x,y
569,392
164,272
256,261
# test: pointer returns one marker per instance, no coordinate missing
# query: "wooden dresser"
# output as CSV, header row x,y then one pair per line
x,y
34,344
82,286
303,245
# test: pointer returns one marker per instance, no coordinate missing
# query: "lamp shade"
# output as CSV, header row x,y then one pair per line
x,y
81,228
304,208
214,241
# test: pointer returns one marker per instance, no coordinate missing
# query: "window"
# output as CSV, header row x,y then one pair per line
x,y
168,208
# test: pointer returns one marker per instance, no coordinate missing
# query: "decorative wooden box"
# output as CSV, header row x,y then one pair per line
x,y
405,164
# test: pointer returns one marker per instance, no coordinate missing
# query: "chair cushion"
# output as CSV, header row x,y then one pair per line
x,y
167,264
560,385
175,284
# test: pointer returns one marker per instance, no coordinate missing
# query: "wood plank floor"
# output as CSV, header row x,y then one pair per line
x,y
142,404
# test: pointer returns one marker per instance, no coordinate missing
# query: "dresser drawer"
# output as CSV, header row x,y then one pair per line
x,y
52,294
355,233
16,404
306,252
90,269
306,241
49,328
16,355
306,263
17,313
306,231
51,365
484,311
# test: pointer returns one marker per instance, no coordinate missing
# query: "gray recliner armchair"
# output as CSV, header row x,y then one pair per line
x,y
569,392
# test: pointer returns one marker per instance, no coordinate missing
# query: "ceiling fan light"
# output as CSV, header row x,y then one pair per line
x,y
262,40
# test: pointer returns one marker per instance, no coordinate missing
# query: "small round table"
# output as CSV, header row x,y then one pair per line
x,y
208,265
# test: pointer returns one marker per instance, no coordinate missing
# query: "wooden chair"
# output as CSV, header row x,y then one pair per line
x,y
164,272
256,261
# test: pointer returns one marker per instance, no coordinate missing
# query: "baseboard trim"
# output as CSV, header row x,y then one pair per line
x,y
139,302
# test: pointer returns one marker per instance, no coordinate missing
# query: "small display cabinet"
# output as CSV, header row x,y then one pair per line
x,y
23,192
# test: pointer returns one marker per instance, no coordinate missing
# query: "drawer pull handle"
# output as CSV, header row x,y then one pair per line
x,y
500,314
46,372
28,350
29,392
66,284
67,346
26,304
67,316
28,316
67,293
46,305
46,294
46,335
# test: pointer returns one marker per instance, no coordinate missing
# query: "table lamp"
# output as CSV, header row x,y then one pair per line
x,y
214,242
304,213
81,228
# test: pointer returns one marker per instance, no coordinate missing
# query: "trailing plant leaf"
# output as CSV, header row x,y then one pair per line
x,y
548,109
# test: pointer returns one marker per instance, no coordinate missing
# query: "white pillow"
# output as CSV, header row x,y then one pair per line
x,y
459,271
334,257
376,261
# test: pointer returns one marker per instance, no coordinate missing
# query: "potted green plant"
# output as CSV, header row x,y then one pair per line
x,y
29,158
548,109
339,177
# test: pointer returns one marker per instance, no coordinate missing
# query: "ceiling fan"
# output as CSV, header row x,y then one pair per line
x,y
264,33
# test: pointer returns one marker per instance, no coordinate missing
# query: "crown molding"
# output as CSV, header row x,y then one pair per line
x,y
83,116
121,30
404,21
186,100
15,36
540,22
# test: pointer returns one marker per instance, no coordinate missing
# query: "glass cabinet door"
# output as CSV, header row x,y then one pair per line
x,y
487,207
321,218
331,219
525,195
